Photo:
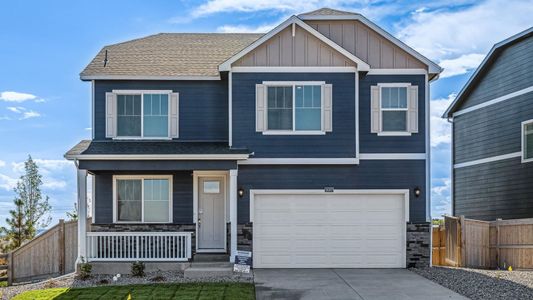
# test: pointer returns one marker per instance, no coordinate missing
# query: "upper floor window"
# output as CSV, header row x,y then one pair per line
x,y
293,107
141,114
527,141
394,109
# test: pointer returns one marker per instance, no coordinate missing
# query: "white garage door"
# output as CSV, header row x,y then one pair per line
x,y
324,230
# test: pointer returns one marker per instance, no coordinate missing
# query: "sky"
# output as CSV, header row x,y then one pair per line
x,y
44,45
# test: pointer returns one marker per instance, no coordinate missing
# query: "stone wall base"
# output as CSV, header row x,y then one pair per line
x,y
418,245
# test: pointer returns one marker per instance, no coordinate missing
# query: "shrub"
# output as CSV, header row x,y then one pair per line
x,y
103,281
85,269
137,269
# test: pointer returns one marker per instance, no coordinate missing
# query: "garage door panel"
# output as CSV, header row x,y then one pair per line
x,y
327,231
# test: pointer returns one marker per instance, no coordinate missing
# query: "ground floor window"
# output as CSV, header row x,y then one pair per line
x,y
527,141
143,199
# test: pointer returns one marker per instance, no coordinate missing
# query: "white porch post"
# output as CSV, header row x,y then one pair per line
x,y
82,215
233,212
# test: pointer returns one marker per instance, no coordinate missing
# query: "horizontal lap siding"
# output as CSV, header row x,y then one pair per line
x,y
502,189
493,130
203,106
181,193
371,142
399,174
339,143
510,72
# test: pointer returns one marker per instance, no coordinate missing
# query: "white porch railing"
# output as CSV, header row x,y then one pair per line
x,y
141,246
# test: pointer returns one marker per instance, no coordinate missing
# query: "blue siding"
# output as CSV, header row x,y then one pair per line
x,y
371,142
203,111
339,143
160,165
368,175
182,197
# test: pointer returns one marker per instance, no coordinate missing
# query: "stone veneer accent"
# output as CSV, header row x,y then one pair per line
x,y
148,228
245,237
418,245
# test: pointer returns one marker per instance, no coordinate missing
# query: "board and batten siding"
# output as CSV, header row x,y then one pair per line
x,y
303,49
366,44
182,194
369,174
203,106
340,143
491,131
510,72
371,142
501,189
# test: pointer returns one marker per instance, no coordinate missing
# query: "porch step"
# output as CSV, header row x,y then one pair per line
x,y
203,272
226,264
208,257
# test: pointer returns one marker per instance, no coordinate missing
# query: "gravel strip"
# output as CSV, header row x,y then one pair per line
x,y
482,284
103,280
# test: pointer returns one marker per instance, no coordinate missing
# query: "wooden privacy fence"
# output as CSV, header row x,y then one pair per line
x,y
50,254
483,244
438,246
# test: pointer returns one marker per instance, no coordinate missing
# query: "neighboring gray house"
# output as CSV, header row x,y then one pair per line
x,y
492,129
308,145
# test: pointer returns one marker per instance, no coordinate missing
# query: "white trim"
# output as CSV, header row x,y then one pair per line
x,y
132,77
292,83
226,66
523,140
92,109
293,132
487,160
210,174
137,92
397,72
299,161
357,115
394,133
452,176
233,212
157,156
433,67
405,192
392,156
293,69
494,101
230,109
82,215
427,130
142,178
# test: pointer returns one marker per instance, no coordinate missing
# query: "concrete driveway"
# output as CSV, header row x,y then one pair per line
x,y
346,284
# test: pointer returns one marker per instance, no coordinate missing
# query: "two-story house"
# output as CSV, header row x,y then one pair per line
x,y
307,145
492,135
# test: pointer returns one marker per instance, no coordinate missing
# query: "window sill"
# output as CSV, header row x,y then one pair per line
x,y
526,160
294,132
142,138
141,223
391,133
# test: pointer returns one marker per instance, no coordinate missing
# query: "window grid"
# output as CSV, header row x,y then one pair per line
x,y
142,115
527,141
400,106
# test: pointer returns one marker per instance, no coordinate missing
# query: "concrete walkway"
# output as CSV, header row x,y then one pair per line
x,y
346,284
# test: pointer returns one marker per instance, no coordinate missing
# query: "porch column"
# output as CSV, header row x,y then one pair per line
x,y
233,212
82,215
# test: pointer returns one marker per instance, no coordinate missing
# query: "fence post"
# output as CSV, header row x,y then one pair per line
x,y
498,242
10,268
61,244
462,223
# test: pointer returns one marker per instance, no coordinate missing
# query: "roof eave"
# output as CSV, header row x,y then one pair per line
x,y
145,77
157,156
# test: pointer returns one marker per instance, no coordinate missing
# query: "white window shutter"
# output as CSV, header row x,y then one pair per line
x,y
174,115
413,109
375,123
260,107
110,115
328,107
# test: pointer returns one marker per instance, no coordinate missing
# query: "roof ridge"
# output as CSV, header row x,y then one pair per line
x,y
323,10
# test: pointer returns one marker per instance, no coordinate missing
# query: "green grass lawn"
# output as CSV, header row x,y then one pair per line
x,y
183,291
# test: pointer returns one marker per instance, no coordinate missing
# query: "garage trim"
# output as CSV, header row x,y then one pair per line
x,y
405,192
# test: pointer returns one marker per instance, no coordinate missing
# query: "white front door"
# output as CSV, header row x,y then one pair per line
x,y
211,223
329,230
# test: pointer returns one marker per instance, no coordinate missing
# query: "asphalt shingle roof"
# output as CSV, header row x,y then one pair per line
x,y
86,147
168,55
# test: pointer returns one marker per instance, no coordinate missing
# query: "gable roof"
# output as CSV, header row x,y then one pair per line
x,y
361,65
484,67
167,56
332,14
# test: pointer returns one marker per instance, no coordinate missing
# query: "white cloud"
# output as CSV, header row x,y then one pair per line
x,y
458,38
7,183
2,163
16,109
245,28
10,96
45,165
53,184
88,128
440,194
440,128
30,114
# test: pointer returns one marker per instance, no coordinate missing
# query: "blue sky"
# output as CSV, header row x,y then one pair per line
x,y
45,108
